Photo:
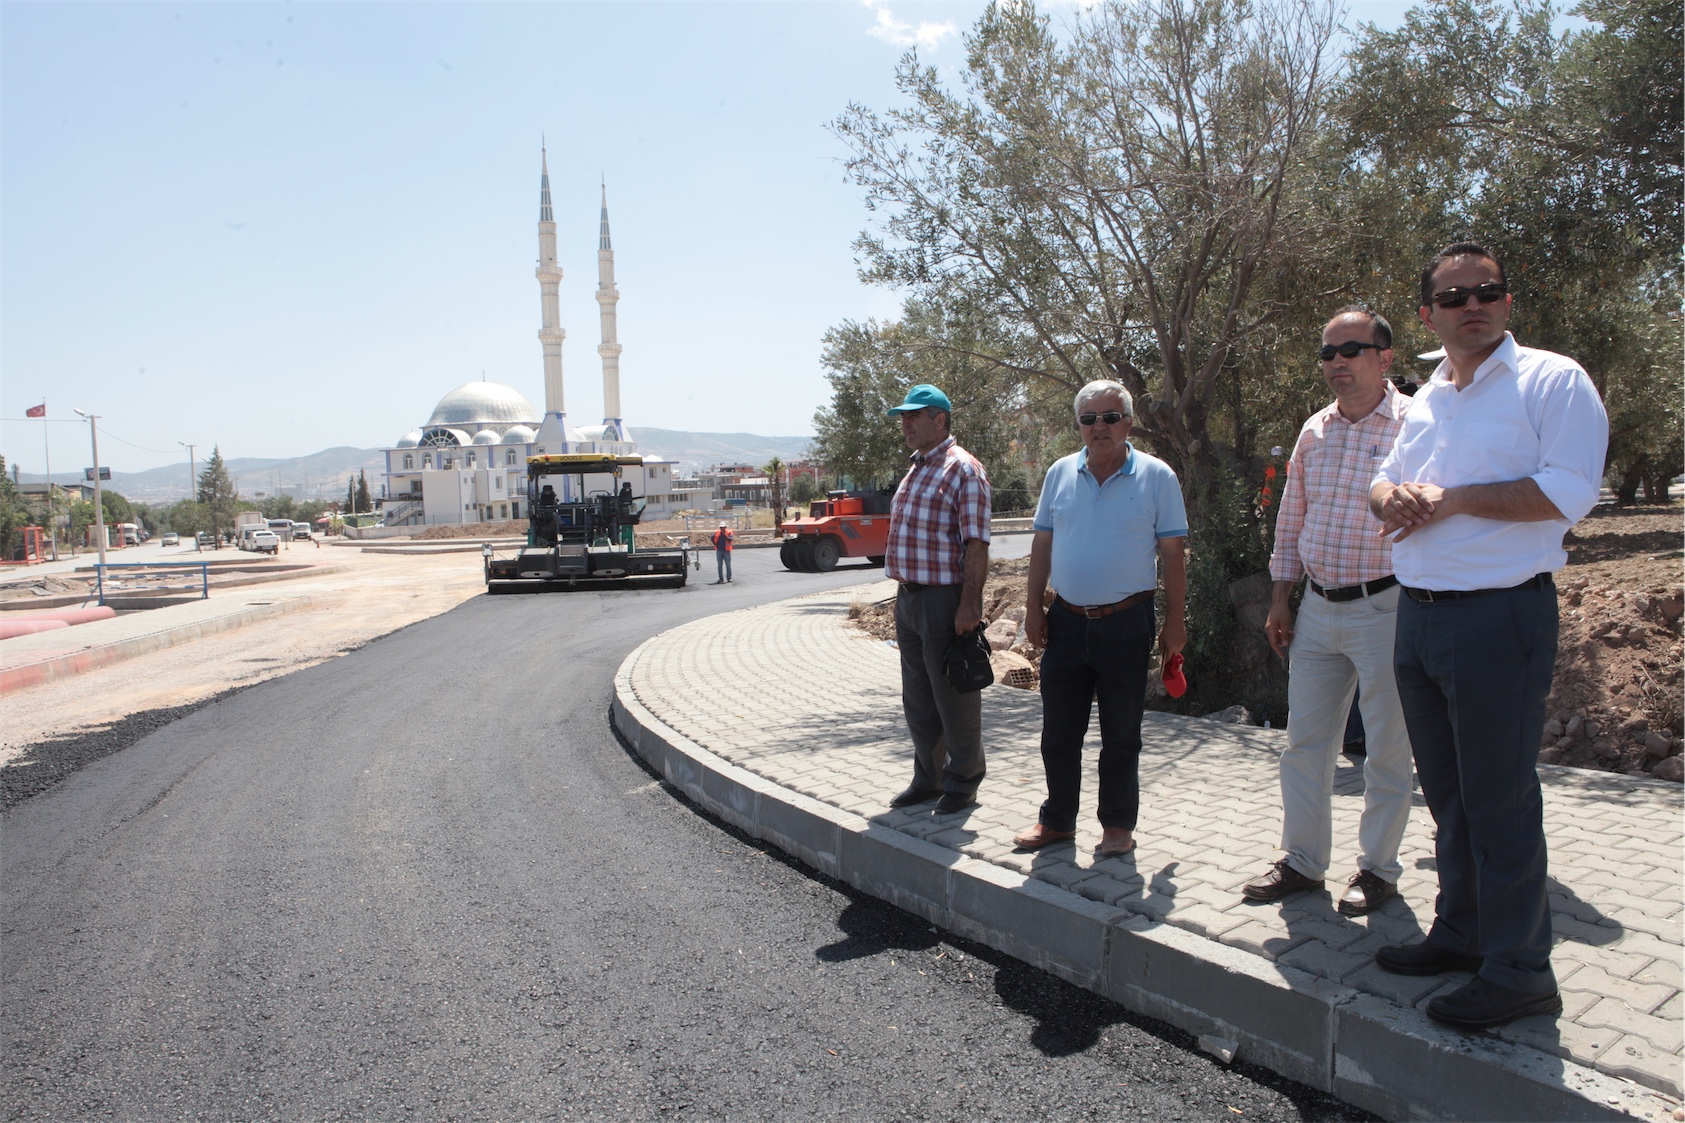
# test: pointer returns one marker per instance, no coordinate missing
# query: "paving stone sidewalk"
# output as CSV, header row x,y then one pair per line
x,y
794,695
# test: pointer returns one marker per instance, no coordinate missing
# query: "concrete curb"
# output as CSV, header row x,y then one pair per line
x,y
1372,1053
100,655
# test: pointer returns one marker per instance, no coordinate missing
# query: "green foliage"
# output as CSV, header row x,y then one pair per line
x,y
1002,422
217,495
1561,153
774,470
188,517
310,510
1178,193
364,503
803,490
14,515
1225,540
117,508
1133,203
280,506
81,518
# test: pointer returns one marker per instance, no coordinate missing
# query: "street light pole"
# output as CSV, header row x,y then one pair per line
x,y
99,496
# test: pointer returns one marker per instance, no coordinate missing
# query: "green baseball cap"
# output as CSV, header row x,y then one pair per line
x,y
923,396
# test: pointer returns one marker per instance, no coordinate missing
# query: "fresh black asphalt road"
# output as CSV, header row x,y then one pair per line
x,y
426,881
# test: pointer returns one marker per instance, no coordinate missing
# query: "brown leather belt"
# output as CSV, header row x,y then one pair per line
x,y
1095,611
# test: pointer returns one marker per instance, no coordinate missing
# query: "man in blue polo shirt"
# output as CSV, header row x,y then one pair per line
x,y
1108,518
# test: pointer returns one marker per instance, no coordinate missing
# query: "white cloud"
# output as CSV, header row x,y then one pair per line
x,y
903,34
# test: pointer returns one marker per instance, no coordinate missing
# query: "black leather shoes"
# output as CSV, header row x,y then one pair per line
x,y
915,795
1424,959
1480,1004
1282,881
954,801
1368,891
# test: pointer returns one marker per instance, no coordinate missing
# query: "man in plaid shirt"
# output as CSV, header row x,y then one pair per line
x,y
939,551
1344,635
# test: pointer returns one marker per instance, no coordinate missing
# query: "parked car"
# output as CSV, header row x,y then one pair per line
x,y
171,538
265,542
208,541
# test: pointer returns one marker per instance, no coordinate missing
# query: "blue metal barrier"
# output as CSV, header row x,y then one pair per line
x,y
204,569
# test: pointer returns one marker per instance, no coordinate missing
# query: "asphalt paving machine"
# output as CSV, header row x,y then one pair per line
x,y
581,531
844,524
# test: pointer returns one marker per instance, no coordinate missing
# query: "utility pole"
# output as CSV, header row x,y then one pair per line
x,y
192,471
52,513
99,496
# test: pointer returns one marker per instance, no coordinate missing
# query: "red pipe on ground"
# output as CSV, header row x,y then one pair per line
x,y
11,628
70,615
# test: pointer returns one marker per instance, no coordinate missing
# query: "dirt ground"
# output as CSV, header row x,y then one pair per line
x,y
511,528
368,596
1615,700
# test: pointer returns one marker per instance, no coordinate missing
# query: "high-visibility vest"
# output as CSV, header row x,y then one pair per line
x,y
722,539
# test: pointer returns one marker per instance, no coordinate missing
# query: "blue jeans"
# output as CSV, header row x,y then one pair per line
x,y
1473,675
722,561
1102,660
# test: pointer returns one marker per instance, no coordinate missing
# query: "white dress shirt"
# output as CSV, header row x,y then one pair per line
x,y
1527,414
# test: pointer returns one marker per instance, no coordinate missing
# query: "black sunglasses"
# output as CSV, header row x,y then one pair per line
x,y
1350,349
1489,293
1110,417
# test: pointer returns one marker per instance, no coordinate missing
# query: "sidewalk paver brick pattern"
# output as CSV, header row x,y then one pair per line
x,y
791,693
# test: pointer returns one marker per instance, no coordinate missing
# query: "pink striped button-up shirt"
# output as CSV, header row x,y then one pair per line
x,y
942,501
1324,527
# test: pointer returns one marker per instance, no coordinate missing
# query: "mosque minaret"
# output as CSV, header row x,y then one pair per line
x,y
607,297
468,463
555,429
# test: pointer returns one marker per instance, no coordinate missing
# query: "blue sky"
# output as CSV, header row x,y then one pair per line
x,y
283,227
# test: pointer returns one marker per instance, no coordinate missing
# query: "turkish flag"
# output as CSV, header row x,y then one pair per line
x,y
36,411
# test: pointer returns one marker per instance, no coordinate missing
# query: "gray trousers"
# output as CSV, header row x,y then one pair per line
x,y
947,727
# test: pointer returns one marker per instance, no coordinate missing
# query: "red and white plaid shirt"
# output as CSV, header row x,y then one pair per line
x,y
1324,526
942,501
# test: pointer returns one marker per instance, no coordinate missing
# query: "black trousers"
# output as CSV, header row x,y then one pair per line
x,y
1089,661
1473,675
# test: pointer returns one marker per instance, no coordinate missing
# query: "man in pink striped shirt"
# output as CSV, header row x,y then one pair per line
x,y
1343,638
939,551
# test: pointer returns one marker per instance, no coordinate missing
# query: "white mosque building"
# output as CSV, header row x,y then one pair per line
x,y
469,462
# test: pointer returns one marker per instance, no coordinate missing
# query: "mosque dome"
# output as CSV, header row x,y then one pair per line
x,y
485,437
409,439
483,403
519,435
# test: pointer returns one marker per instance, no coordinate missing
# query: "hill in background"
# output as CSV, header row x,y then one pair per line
x,y
325,473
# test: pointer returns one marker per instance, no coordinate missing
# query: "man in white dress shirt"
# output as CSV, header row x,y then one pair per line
x,y
1501,452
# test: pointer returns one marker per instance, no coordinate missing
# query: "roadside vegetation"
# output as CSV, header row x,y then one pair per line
x,y
1176,193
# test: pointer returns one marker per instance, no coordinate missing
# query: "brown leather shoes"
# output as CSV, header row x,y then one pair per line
x,y
1367,892
1041,835
1115,842
1282,881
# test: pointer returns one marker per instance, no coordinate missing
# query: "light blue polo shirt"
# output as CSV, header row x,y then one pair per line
x,y
1105,536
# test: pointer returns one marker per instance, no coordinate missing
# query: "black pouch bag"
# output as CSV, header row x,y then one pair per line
x,y
968,663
